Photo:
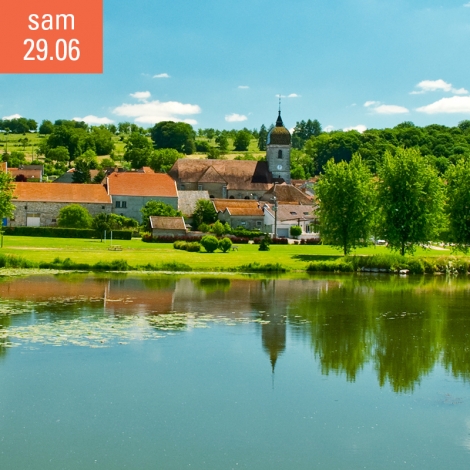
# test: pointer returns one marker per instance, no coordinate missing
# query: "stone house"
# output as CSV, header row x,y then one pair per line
x,y
38,204
167,226
130,191
240,213
187,201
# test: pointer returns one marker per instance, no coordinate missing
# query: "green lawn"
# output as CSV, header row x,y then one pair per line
x,y
136,252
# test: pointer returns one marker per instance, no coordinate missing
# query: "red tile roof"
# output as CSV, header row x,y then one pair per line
x,y
141,184
247,207
61,192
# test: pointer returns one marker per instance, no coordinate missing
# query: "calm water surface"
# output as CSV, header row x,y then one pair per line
x,y
208,372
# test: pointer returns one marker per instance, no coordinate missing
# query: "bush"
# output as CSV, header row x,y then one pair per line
x,y
243,232
225,244
295,231
330,266
265,242
194,247
218,228
58,232
210,243
262,268
74,216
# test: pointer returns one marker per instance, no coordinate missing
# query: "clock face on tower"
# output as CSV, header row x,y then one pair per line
x,y
279,167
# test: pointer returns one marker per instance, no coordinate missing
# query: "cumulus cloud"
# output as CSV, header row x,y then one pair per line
x,y
293,95
329,128
437,85
379,108
151,112
359,128
90,119
161,75
455,104
13,116
467,5
141,95
243,87
234,117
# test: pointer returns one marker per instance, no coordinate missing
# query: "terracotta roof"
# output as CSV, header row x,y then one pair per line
x,y
246,207
147,169
168,223
237,174
25,172
286,193
187,201
61,192
141,184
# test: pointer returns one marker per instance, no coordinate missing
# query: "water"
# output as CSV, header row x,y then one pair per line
x,y
223,372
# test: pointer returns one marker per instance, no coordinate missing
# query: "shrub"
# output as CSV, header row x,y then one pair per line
x,y
262,268
74,216
265,242
330,266
225,244
218,229
194,247
210,243
295,231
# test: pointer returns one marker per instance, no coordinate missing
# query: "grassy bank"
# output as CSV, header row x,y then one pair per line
x,y
59,253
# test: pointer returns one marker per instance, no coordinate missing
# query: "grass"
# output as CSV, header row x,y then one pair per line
x,y
137,253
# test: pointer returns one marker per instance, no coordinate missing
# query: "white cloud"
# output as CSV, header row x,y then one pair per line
x,y
455,104
161,75
293,95
151,112
90,119
329,128
243,87
234,117
141,95
378,108
13,116
467,5
359,128
437,85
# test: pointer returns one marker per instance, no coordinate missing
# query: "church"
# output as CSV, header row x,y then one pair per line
x,y
238,179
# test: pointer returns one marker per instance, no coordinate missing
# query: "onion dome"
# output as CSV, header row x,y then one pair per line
x,y
279,135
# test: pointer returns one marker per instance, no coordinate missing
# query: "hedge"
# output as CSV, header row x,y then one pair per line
x,y
58,232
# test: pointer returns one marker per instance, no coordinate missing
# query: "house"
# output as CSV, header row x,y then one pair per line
x,y
284,216
238,179
38,204
130,191
27,173
187,201
286,194
167,226
240,213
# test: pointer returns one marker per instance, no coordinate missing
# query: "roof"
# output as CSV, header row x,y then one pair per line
x,y
286,193
236,174
295,212
247,207
27,173
61,192
279,135
187,201
141,184
167,223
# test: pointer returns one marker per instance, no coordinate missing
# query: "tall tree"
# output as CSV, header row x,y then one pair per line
x,y
162,160
204,213
242,140
138,150
174,135
411,198
157,208
347,203
263,137
6,195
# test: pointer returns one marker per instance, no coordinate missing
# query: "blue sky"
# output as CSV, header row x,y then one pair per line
x,y
347,63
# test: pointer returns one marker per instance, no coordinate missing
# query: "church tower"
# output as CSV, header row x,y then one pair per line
x,y
278,148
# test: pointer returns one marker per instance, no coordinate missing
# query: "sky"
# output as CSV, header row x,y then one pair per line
x,y
351,64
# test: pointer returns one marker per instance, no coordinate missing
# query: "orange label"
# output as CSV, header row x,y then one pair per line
x,y
52,36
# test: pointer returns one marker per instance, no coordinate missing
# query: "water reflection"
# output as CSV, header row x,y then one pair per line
x,y
402,327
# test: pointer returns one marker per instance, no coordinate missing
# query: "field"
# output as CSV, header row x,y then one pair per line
x,y
136,252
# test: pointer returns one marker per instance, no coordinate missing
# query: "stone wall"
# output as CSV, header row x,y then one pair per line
x,y
135,203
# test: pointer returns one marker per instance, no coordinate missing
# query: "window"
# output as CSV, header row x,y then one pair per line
x,y
293,213
279,154
258,223
102,207
118,204
124,204
53,221
199,187
183,187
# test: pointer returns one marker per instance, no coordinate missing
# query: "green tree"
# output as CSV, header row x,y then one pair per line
x,y
74,216
218,229
210,243
46,127
103,139
83,165
204,213
174,135
58,154
225,244
162,160
101,223
295,231
222,141
242,140
263,137
458,204
411,199
6,195
157,208
347,204
138,150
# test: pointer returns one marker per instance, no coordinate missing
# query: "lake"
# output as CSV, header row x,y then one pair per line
x,y
232,372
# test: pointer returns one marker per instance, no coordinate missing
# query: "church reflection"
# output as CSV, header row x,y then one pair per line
x,y
402,327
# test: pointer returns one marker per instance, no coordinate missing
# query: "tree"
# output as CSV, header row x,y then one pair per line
x,y
204,213
263,137
157,208
225,244
222,141
303,131
242,140
46,127
347,203
295,231
210,243
74,216
174,135
6,195
58,154
138,150
101,223
103,139
411,200
218,229
162,160
458,204
83,165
